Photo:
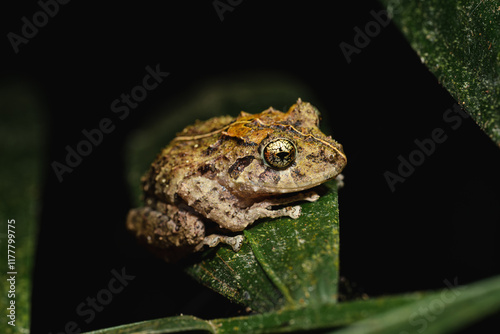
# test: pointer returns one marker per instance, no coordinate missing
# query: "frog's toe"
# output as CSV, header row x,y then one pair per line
x,y
289,211
293,211
235,242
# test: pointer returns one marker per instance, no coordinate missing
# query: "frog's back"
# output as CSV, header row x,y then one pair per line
x,y
182,157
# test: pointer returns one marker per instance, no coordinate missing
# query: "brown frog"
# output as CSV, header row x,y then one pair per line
x,y
219,176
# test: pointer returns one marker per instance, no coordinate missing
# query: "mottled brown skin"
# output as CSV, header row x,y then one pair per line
x,y
215,171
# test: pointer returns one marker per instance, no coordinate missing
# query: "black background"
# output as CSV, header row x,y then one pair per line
x,y
441,223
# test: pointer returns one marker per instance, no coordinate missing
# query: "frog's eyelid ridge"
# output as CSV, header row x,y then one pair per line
x,y
305,135
208,134
187,138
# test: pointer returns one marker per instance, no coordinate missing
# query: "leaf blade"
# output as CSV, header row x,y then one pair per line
x,y
294,261
386,314
459,43
22,125
301,255
439,312
165,325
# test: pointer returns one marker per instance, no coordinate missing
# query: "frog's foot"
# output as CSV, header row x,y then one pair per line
x,y
214,239
290,211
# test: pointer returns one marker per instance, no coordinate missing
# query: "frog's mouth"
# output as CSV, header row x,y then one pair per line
x,y
286,190
249,190
293,181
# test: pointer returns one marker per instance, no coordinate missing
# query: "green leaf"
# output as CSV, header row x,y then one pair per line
x,y
165,325
439,312
284,262
315,317
21,149
433,312
459,42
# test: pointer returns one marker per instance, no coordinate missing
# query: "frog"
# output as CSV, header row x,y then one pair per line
x,y
219,176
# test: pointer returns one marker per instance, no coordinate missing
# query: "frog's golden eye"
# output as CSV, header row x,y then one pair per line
x,y
279,153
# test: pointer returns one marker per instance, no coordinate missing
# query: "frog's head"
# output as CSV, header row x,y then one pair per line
x,y
289,154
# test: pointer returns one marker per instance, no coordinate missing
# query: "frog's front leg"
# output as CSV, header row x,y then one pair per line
x,y
218,204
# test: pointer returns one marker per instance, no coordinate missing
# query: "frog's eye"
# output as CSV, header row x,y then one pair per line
x,y
279,153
